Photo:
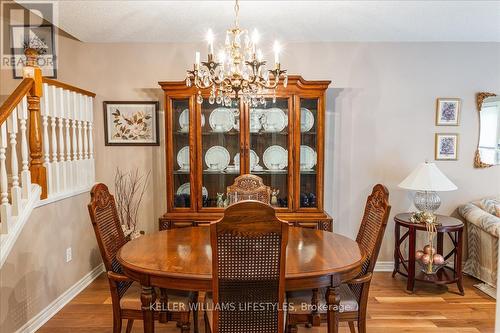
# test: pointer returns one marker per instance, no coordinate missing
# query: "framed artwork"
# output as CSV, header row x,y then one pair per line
x,y
131,123
446,146
40,38
447,112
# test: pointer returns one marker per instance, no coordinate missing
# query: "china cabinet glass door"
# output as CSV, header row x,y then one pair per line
x,y
219,158
308,153
269,153
181,153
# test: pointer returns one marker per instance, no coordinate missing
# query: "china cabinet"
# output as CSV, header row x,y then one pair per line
x,y
280,139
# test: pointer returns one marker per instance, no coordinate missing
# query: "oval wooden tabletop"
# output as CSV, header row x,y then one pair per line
x,y
186,253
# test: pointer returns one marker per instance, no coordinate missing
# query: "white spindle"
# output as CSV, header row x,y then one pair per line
x,y
16,189
80,137
45,106
25,173
53,125
86,164
67,116
60,125
5,209
91,141
74,145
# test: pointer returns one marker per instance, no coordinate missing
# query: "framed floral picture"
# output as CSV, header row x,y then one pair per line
x,y
131,123
446,146
447,112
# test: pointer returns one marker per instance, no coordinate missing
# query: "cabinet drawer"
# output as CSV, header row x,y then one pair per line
x,y
326,225
171,224
309,225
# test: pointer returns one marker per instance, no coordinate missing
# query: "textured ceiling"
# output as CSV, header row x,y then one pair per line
x,y
289,21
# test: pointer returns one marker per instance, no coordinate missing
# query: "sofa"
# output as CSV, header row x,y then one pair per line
x,y
483,227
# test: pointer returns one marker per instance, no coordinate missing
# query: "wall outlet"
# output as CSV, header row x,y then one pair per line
x,y
69,254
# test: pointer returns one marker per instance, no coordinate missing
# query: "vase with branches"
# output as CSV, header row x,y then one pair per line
x,y
130,187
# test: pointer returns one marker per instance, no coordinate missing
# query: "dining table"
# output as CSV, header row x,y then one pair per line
x,y
182,259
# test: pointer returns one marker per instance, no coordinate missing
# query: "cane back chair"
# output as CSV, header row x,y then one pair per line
x,y
248,267
353,294
249,187
125,294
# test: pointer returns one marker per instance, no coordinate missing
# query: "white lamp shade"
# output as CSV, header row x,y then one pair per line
x,y
427,177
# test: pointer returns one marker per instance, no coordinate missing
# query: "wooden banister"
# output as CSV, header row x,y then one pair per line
x,y
37,169
13,100
67,87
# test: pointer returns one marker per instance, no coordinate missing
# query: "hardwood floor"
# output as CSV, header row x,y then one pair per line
x,y
430,309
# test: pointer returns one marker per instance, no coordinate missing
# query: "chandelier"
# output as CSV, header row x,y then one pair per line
x,y
238,70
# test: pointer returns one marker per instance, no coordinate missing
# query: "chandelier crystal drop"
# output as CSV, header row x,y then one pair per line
x,y
237,71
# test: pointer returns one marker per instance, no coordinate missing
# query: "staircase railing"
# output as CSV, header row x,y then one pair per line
x,y
68,146
13,116
49,125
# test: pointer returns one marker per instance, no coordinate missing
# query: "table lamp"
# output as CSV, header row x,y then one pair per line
x,y
427,179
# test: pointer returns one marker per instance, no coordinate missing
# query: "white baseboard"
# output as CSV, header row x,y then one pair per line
x,y
384,266
43,316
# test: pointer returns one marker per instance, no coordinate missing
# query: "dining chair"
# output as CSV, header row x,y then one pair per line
x,y
354,293
248,267
247,187
125,294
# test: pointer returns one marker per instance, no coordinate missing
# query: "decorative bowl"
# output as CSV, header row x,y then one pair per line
x,y
435,267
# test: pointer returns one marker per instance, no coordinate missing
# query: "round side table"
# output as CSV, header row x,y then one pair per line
x,y
406,267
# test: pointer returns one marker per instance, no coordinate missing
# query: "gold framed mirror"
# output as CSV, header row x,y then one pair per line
x,y
488,147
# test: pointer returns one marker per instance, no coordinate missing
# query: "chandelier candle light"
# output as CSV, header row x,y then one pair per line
x,y
238,70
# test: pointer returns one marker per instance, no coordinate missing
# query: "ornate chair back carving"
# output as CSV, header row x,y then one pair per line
x,y
108,230
372,228
248,267
250,186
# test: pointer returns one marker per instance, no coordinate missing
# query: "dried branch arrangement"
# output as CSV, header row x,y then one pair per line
x,y
129,191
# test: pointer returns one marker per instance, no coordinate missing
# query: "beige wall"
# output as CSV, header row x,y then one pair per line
x,y
380,123
35,273
380,126
380,115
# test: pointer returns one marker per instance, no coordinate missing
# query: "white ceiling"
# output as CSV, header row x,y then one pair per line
x,y
289,21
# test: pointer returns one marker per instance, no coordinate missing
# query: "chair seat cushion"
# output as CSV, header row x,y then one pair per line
x,y
177,300
300,301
